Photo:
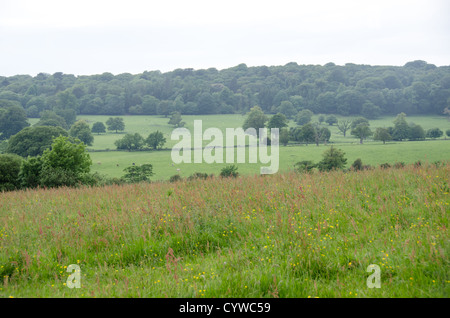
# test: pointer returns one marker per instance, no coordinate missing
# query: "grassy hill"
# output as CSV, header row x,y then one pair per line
x,y
283,235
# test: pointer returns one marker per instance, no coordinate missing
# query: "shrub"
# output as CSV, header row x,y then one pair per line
x,y
332,159
198,175
304,166
385,165
138,173
357,165
175,178
229,171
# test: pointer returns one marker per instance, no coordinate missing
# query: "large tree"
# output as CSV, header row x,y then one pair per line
x,y
32,141
115,123
361,131
12,120
382,134
155,140
255,119
82,131
130,142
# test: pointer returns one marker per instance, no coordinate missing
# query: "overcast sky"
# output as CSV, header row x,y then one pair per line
x,y
84,37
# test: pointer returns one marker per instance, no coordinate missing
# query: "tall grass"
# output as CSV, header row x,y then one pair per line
x,y
283,235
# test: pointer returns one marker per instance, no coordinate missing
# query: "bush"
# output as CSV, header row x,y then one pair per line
x,y
9,172
198,175
138,173
399,165
304,166
357,165
175,178
229,171
385,165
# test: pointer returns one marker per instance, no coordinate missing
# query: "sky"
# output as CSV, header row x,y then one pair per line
x,y
85,37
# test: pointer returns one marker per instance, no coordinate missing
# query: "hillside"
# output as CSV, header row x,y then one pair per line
x,y
350,89
283,235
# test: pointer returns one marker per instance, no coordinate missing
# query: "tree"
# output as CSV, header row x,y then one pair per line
x,y
32,141
30,172
176,120
9,172
416,132
359,120
155,140
322,134
447,132
130,142
344,125
332,159
65,164
361,131
287,109
331,120
284,137
255,119
138,173
277,121
434,133
382,134
50,118
82,131
401,127
98,128
115,123
303,117
308,134
12,120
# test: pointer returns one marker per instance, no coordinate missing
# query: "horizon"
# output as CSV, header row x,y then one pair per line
x,y
225,68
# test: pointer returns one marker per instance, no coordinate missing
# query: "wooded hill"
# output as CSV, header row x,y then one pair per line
x,y
363,90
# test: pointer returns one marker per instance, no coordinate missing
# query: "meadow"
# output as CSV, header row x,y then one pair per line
x,y
283,235
111,163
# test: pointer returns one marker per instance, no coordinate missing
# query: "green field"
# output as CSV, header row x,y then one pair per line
x,y
285,235
112,163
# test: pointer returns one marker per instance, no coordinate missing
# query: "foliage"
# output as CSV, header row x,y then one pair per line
x,y
277,121
361,131
138,173
331,120
65,164
130,142
434,133
9,172
12,120
156,140
382,134
303,117
176,120
284,136
81,130
344,125
115,123
98,127
255,119
332,159
305,166
32,141
229,171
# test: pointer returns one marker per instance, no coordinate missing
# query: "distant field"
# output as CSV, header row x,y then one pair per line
x,y
371,152
286,235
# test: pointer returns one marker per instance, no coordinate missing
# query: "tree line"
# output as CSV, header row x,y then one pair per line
x,y
349,90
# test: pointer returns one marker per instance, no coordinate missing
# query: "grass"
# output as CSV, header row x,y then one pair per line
x,y
284,235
